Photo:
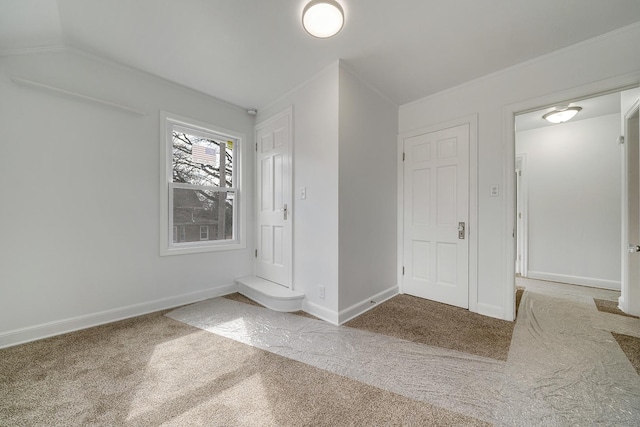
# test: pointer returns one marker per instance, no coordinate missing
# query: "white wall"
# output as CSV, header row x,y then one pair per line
x,y
80,198
574,72
315,166
368,134
344,154
574,199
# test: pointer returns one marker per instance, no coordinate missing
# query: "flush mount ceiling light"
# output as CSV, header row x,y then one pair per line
x,y
561,114
323,18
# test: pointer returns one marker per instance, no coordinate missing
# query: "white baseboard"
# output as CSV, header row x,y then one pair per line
x,y
320,312
45,330
575,280
491,310
366,304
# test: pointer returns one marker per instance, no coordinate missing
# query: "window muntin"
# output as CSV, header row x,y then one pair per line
x,y
201,183
204,232
197,158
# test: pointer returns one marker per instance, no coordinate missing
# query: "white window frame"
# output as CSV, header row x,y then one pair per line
x,y
204,228
167,244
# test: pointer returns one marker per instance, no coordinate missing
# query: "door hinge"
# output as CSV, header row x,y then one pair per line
x,y
403,271
256,147
256,253
621,139
403,157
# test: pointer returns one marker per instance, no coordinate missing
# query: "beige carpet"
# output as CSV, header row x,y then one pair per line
x,y
428,322
519,293
432,323
631,348
152,370
610,307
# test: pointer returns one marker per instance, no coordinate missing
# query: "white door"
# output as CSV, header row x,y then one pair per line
x,y
273,172
521,216
436,215
630,289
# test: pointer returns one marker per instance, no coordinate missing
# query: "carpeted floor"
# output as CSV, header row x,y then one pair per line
x,y
427,322
432,323
631,348
152,370
610,307
519,293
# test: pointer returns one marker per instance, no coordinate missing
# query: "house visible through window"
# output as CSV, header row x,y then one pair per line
x,y
202,189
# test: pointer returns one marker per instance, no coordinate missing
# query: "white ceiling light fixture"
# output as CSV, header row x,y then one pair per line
x,y
323,18
561,114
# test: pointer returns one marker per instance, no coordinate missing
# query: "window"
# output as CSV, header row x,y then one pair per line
x,y
200,187
204,232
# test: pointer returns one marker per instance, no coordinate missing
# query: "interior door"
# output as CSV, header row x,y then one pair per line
x,y
630,289
521,216
273,172
436,215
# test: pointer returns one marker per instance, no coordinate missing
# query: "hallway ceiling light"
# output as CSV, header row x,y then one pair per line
x,y
323,18
561,114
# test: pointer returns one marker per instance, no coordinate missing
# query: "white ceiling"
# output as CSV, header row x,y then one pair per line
x,y
250,52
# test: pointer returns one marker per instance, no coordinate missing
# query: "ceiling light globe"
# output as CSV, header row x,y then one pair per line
x,y
561,116
323,18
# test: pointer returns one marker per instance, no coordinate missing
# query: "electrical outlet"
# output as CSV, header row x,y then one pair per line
x,y
321,292
303,193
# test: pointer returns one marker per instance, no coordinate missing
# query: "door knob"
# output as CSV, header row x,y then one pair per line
x,y
461,230
634,248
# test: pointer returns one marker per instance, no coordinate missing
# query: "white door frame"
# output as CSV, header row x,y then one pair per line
x,y
523,236
626,302
615,84
472,226
291,208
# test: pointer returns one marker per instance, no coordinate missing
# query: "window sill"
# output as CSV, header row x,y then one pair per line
x,y
199,248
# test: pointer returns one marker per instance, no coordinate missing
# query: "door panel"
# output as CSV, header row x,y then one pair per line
x,y
436,200
630,290
273,261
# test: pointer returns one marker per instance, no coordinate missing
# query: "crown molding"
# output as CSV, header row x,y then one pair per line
x,y
33,50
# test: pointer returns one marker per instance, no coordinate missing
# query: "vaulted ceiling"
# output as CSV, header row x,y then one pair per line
x,y
250,52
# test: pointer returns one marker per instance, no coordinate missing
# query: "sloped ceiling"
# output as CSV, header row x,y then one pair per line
x,y
250,52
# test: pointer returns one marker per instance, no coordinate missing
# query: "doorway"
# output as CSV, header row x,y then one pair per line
x,y
629,300
573,194
273,256
515,110
437,188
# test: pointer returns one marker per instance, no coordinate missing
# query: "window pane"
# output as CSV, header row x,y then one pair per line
x,y
202,215
197,160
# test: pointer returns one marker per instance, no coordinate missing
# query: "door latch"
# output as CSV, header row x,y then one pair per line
x,y
461,230
285,211
633,248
